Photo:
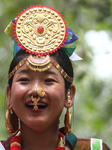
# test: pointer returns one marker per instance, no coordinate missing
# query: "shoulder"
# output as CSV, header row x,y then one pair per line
x,y
86,144
80,143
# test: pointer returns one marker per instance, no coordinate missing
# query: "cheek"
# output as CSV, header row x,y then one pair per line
x,y
17,92
57,94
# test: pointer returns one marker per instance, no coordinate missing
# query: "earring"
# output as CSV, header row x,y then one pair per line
x,y
68,116
11,121
68,96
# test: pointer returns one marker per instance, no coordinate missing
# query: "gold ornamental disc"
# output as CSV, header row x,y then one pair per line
x,y
40,30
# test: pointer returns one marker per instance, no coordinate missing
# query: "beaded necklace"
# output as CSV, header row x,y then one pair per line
x,y
17,141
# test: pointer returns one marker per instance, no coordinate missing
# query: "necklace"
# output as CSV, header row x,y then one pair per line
x,y
17,141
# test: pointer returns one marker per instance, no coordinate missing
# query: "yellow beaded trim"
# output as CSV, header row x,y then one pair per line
x,y
40,69
60,69
16,68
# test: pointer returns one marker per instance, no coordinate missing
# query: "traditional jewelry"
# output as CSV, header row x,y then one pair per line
x,y
60,69
11,121
68,118
40,30
35,100
39,63
68,96
21,63
40,91
47,63
17,141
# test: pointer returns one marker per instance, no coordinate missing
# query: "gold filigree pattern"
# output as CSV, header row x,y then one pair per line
x,y
39,63
60,69
21,63
40,30
40,91
35,100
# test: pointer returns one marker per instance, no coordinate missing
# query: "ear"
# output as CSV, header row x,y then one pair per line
x,y
8,94
72,95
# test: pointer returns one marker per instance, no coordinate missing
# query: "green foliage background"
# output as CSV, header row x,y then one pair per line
x,y
92,110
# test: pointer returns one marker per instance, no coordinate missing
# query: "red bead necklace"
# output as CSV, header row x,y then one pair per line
x,y
17,141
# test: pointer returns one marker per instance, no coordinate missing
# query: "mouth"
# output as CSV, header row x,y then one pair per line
x,y
39,106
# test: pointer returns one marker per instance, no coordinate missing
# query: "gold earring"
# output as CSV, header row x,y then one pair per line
x,y
68,118
11,121
68,96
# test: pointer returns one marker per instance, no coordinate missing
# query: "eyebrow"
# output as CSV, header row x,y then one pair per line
x,y
24,71
51,72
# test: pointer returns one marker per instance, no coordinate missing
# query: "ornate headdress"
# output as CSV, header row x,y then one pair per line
x,y
41,31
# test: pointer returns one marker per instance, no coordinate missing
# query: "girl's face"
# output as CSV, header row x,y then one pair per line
x,y
25,83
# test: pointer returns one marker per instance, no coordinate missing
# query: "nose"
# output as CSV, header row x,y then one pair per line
x,y
37,90
33,89
36,94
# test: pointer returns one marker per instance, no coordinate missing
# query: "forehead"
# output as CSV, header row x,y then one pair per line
x,y
41,66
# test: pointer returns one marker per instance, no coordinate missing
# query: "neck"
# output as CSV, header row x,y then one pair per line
x,y
44,139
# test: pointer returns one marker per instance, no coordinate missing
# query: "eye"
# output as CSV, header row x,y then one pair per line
x,y
24,79
50,80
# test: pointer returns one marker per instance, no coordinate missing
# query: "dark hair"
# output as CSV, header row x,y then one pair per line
x,y
60,56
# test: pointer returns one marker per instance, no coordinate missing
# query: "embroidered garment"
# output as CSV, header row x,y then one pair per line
x,y
85,144
74,143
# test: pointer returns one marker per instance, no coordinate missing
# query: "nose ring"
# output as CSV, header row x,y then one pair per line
x,y
40,92
35,100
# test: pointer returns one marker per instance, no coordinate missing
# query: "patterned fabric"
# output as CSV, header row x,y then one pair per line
x,y
85,144
7,143
81,144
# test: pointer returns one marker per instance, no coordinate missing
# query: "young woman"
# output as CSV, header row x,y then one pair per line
x,y
40,84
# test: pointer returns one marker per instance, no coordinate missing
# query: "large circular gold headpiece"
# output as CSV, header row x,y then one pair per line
x,y
40,30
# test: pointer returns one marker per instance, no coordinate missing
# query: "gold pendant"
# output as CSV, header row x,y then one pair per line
x,y
35,100
39,63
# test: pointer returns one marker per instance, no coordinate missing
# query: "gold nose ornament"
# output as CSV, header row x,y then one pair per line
x,y
41,93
